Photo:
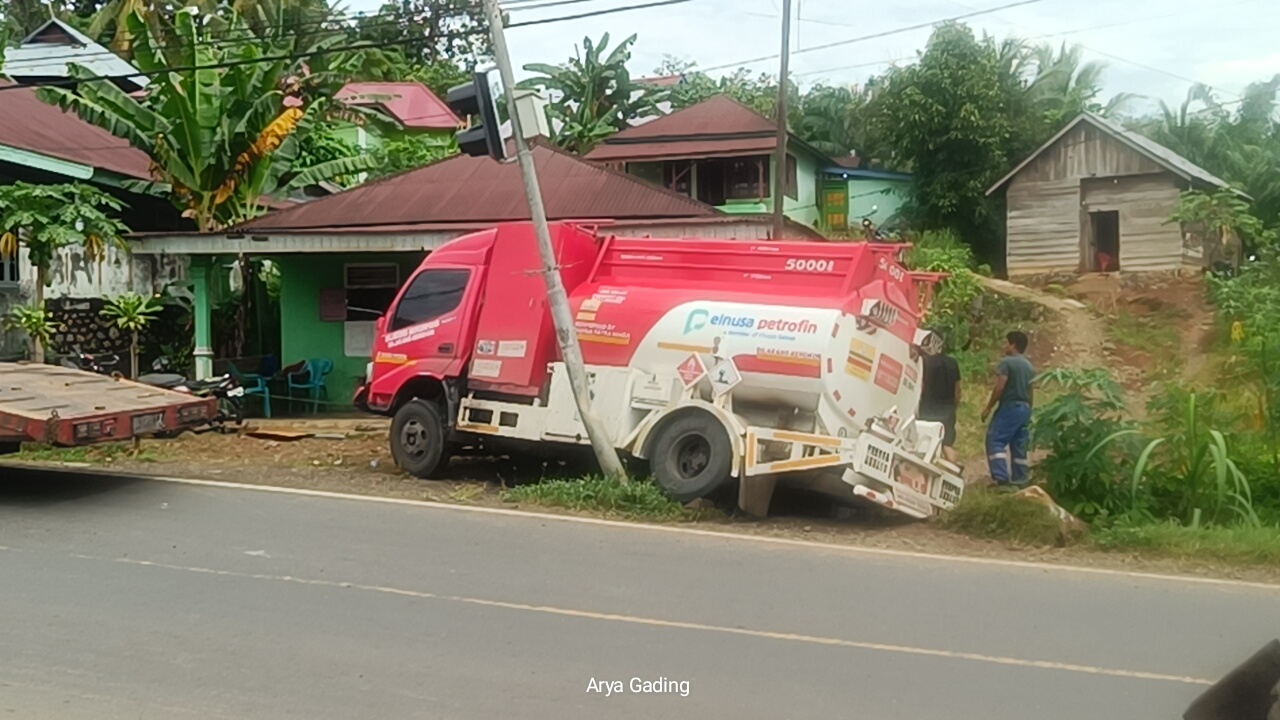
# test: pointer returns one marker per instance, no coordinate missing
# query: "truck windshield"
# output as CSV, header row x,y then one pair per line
x,y
431,293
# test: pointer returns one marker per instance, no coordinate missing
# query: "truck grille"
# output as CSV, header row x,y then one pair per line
x,y
948,492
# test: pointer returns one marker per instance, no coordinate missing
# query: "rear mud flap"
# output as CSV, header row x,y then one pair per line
x,y
1246,693
755,493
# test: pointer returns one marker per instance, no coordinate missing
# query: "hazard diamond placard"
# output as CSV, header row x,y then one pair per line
x,y
691,371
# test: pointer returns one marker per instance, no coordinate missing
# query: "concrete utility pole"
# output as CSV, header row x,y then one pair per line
x,y
570,350
780,154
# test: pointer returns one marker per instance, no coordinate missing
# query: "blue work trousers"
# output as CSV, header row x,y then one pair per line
x,y
1007,438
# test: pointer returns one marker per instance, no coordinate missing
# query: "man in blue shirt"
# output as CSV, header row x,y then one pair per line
x,y
1009,432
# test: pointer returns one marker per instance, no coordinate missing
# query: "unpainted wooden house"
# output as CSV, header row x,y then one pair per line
x,y
1097,197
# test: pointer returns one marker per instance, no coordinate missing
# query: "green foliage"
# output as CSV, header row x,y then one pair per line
x,y
952,310
592,95
757,91
1190,472
1237,545
396,156
639,499
46,218
1088,442
323,144
429,31
947,118
132,312
35,322
221,141
998,515
1240,144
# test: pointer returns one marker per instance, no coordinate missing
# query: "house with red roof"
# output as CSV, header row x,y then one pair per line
x,y
413,111
720,152
342,258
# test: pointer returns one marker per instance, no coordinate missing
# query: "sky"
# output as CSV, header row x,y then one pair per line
x,y
1153,48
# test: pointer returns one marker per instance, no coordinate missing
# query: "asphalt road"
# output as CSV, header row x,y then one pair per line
x,y
143,599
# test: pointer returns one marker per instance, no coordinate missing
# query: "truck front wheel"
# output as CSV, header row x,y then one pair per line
x,y
418,441
692,456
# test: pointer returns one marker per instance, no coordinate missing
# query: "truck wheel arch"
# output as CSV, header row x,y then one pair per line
x,y
642,446
432,390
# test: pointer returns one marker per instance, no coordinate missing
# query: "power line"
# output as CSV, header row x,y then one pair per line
x,y
595,13
875,36
338,22
358,46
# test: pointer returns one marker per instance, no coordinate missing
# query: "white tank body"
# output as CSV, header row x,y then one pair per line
x,y
816,360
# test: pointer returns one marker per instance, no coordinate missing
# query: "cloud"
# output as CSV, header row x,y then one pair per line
x,y
1153,48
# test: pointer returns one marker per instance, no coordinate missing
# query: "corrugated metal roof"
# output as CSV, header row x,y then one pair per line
x,y
28,124
1163,156
43,54
720,115
717,127
684,150
411,103
744,220
464,190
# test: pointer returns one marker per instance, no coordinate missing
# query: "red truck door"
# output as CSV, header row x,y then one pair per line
x,y
427,331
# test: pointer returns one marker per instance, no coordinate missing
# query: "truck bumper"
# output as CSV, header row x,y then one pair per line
x,y
361,399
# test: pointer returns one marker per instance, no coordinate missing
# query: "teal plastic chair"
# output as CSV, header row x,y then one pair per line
x,y
311,380
254,385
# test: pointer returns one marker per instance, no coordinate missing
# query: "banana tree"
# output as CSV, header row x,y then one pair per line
x,y
46,218
212,120
594,95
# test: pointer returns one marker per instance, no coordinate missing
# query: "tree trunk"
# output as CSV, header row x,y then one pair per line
x,y
133,356
37,297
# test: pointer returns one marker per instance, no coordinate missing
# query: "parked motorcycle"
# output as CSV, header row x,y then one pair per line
x,y
870,232
225,388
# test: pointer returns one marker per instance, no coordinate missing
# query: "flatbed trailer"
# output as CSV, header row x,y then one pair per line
x,y
65,407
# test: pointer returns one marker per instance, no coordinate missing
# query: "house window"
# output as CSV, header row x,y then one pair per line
x,y
431,294
370,289
677,175
8,270
746,179
792,182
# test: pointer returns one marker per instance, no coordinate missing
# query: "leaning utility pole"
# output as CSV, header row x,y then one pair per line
x,y
780,154
570,350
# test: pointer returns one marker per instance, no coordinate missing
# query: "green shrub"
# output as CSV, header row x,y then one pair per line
x,y
1238,545
637,499
1082,475
998,515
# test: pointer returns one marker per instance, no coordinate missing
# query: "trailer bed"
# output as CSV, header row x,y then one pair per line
x,y
61,406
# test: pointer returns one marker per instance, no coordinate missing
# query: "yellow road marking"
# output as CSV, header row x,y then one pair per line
x,y
678,625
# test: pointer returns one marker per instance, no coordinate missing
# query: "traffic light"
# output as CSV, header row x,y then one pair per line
x,y
475,100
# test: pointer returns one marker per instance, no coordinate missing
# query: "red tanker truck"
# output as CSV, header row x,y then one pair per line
x,y
715,360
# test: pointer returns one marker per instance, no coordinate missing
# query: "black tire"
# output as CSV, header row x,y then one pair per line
x,y
692,456
418,439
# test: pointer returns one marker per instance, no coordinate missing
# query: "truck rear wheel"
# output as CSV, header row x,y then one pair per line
x,y
692,456
418,441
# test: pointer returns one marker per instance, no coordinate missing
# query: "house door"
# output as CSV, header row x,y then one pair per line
x,y
835,205
1104,253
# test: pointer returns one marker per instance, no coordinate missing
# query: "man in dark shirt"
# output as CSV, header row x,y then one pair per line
x,y
940,396
1009,432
